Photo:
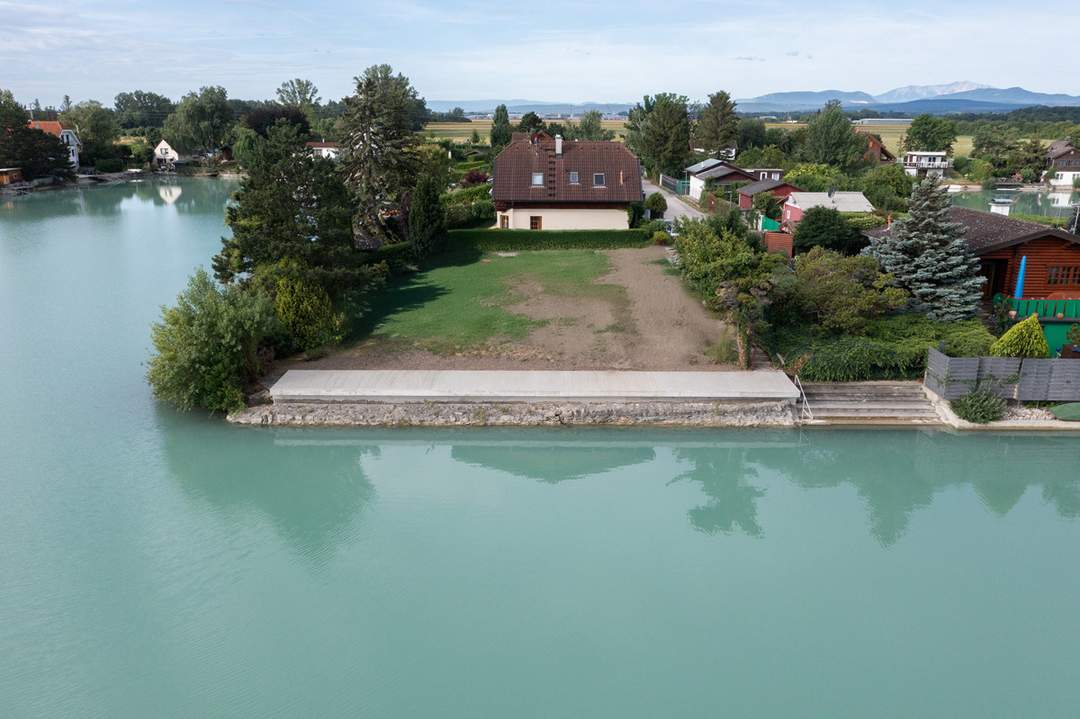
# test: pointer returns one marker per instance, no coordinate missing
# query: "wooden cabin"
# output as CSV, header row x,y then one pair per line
x,y
1000,243
10,175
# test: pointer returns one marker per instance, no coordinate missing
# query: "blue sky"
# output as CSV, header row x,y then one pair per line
x,y
557,50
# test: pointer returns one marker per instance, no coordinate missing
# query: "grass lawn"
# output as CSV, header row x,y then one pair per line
x,y
460,303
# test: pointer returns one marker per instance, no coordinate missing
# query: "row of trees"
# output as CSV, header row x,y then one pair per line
x,y
312,240
589,127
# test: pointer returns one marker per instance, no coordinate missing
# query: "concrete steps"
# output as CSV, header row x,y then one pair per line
x,y
878,403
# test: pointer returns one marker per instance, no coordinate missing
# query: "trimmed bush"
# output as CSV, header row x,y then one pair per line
x,y
109,164
508,240
660,238
306,313
656,204
1067,412
981,406
1024,339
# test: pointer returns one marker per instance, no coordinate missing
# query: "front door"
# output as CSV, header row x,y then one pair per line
x,y
536,222
996,273
504,222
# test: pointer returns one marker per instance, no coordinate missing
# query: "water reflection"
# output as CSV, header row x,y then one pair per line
x,y
311,494
188,196
896,474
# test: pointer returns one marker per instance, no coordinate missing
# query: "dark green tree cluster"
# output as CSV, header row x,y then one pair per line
x,y
500,129
930,133
658,132
142,109
717,126
202,121
36,153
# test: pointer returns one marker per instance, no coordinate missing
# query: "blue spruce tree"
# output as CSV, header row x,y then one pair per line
x,y
927,255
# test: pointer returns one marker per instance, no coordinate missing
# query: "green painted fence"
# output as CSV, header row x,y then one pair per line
x,y
1054,328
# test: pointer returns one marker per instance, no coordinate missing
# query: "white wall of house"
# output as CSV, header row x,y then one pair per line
x,y
564,219
164,153
69,138
329,153
1063,178
697,186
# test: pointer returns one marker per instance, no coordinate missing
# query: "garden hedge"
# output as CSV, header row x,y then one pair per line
x,y
506,240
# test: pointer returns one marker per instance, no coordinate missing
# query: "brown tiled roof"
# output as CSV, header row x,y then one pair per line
x,y
322,144
760,186
989,231
515,165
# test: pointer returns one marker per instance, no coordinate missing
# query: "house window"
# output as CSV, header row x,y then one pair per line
x,y
1066,275
536,222
575,179
598,179
538,179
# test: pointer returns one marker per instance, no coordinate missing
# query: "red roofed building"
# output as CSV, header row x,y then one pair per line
x,y
67,136
546,183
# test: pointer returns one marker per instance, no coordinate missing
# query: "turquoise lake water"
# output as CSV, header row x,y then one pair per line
x,y
1050,204
154,564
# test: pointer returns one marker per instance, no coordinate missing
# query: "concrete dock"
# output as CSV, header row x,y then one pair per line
x,y
462,386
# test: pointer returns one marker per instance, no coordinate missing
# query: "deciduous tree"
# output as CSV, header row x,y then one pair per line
x,y
931,134
142,109
831,140
299,93
201,122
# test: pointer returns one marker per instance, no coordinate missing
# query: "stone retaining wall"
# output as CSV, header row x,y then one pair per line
x,y
770,413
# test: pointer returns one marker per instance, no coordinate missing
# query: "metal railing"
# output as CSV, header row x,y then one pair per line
x,y
804,405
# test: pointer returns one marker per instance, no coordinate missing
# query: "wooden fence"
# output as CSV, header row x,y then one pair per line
x,y
1026,380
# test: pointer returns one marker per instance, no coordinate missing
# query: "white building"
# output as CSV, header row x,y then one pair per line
x,y
1064,170
921,163
66,136
328,150
798,203
165,156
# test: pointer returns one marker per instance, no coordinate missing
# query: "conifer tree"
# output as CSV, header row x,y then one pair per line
x,y
427,219
927,255
717,126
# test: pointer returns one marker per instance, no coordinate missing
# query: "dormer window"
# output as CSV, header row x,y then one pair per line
x,y
598,180
575,179
538,179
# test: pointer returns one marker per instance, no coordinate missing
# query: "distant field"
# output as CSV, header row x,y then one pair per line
x,y
462,131
892,135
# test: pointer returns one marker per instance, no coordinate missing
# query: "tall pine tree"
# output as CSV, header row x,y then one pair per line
x,y
927,255
500,129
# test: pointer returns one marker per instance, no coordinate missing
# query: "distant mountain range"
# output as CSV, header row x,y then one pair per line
x,y
953,97
963,96
522,106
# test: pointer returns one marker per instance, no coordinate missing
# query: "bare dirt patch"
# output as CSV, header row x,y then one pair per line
x,y
637,316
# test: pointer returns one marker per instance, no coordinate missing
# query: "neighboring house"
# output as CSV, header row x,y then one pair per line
x,y
876,150
10,175
1000,243
165,156
714,172
766,173
66,135
921,163
328,150
1064,170
776,188
799,202
547,183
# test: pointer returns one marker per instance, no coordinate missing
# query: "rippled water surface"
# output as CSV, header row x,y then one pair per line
x,y
163,565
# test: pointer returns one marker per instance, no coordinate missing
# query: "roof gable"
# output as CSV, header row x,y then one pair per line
x,y
760,186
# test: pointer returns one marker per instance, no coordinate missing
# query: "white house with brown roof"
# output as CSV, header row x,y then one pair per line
x,y
66,135
547,183
1064,170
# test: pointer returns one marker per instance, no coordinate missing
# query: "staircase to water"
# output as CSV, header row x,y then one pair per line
x,y
880,403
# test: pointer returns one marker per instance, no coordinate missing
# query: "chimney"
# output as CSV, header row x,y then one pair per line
x,y
558,145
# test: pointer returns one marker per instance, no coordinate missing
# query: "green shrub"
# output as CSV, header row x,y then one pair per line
x,y
980,406
660,237
507,240
890,348
1024,339
480,213
427,218
839,293
207,345
305,312
825,227
864,220
109,164
656,204
1073,335
466,195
